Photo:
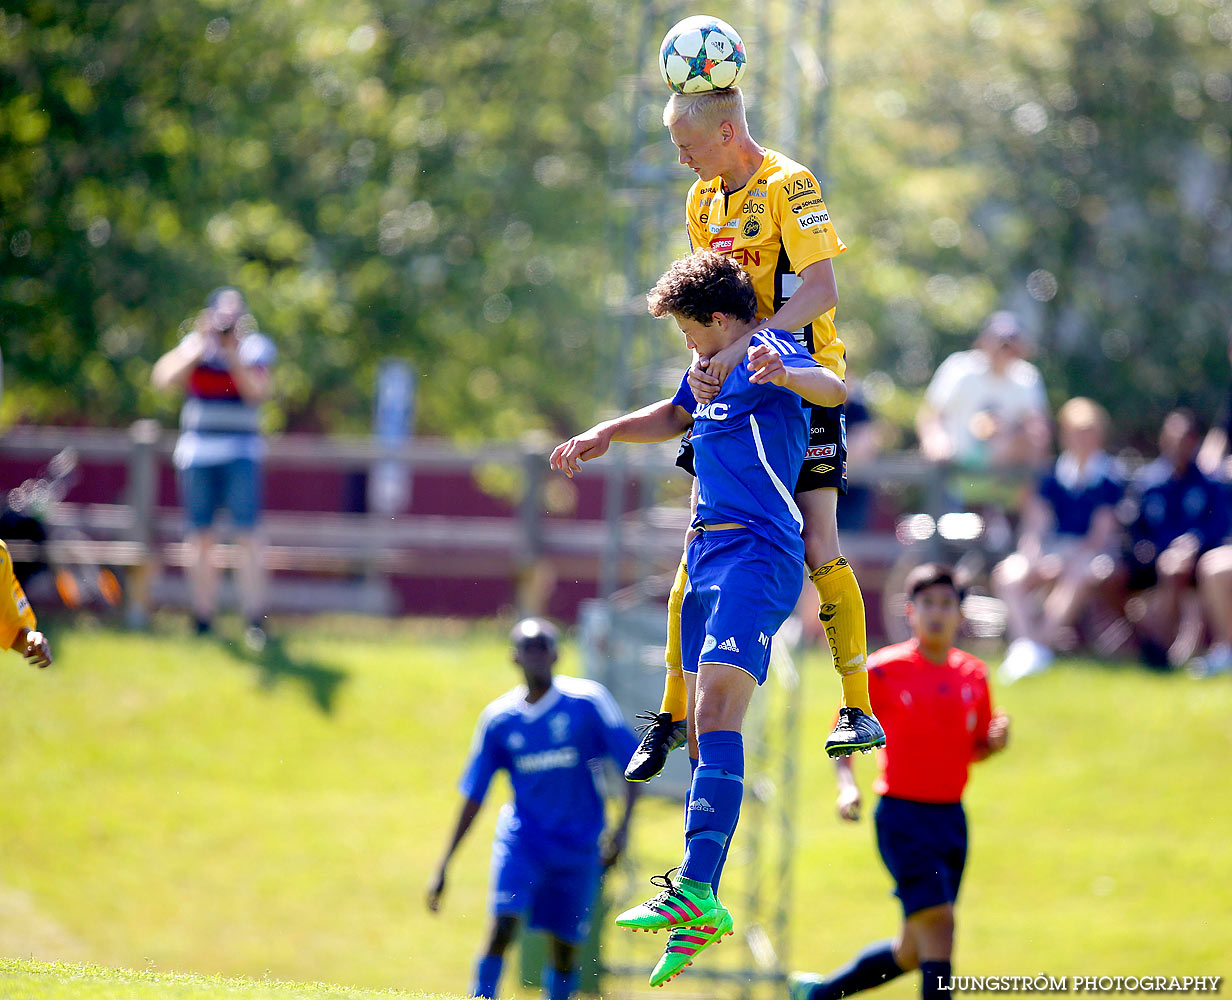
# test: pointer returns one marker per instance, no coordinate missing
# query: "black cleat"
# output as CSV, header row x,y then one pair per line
x,y
660,736
855,730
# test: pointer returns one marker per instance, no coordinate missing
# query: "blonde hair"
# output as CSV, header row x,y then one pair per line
x,y
1081,412
712,107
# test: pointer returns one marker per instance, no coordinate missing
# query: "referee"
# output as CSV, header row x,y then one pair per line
x,y
934,703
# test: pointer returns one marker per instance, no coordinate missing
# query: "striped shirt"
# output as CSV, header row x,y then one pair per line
x,y
216,424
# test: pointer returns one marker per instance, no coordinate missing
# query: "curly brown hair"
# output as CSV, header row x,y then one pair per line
x,y
702,284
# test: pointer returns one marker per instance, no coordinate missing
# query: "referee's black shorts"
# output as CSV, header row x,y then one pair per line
x,y
924,846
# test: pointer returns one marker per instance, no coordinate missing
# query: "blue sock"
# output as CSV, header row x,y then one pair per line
x,y
688,795
487,976
718,871
559,985
872,967
714,803
935,980
718,874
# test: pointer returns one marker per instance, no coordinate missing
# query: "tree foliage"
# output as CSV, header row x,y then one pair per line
x,y
414,180
435,181
1068,161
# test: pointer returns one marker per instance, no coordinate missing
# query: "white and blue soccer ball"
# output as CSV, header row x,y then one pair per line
x,y
701,53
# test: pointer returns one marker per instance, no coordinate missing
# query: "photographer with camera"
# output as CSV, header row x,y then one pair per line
x,y
223,366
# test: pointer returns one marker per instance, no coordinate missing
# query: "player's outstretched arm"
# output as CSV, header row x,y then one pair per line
x,y
616,839
818,385
848,801
659,421
33,646
436,885
998,737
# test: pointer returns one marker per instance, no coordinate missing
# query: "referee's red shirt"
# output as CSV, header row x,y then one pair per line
x,y
935,718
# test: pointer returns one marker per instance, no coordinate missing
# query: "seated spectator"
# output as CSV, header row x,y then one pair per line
x,y
985,408
1215,591
1177,515
1213,458
1067,536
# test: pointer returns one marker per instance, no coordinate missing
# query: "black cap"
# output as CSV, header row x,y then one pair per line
x,y
1003,326
532,633
930,575
213,298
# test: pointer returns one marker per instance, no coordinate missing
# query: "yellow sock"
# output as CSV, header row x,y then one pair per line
x,y
842,614
675,697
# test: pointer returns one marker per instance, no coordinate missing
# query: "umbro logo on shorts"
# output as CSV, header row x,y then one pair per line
x,y
701,805
821,468
730,645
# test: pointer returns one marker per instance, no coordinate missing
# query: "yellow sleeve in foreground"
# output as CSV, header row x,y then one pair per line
x,y
15,610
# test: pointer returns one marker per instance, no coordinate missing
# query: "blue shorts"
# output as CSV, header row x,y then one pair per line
x,y
551,894
234,486
741,589
924,846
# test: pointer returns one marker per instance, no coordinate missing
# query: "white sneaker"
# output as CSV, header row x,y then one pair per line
x,y
1218,660
1023,658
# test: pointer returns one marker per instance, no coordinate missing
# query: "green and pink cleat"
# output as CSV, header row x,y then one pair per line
x,y
684,944
678,905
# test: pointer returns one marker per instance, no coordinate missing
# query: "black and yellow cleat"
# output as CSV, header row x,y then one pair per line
x,y
854,731
660,736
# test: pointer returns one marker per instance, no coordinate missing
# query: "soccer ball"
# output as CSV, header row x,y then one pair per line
x,y
701,53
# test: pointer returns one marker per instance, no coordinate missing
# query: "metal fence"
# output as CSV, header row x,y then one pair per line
x,y
637,533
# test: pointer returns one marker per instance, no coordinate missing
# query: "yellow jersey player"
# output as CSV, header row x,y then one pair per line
x,y
766,211
18,626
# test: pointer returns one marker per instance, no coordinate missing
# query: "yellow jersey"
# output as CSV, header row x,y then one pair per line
x,y
775,226
15,610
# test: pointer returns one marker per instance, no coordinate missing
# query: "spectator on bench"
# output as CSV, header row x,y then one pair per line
x,y
1214,458
1065,548
1215,590
1177,515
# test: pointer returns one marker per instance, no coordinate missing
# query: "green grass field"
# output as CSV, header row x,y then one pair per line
x,y
169,805
33,980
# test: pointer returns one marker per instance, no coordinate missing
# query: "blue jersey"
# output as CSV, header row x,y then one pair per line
x,y
1075,498
1171,504
748,444
553,751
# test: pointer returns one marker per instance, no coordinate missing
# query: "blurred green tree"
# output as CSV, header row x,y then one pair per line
x,y
435,182
1067,161
416,180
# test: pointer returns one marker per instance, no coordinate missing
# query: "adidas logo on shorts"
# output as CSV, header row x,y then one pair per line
x,y
730,645
701,805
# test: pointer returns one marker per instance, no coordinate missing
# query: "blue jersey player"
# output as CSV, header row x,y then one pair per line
x,y
551,736
745,566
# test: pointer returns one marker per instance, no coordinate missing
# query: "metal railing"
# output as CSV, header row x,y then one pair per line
x,y
612,550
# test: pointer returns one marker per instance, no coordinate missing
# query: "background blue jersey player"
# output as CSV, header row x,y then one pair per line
x,y
745,566
551,736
